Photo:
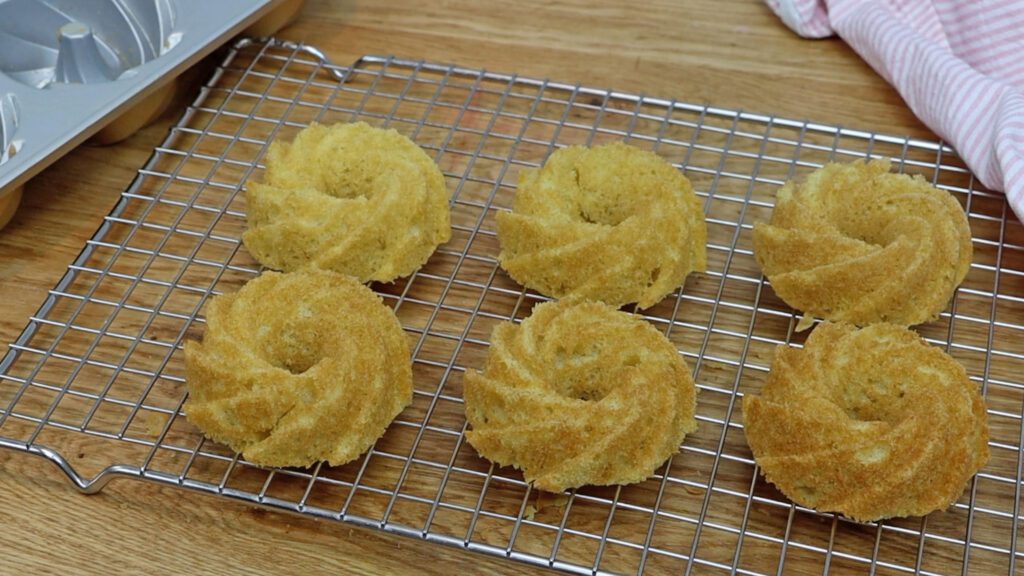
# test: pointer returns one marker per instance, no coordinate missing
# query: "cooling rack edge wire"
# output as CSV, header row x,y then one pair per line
x,y
726,324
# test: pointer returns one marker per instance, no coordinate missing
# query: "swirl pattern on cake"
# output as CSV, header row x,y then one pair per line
x,y
872,423
580,393
612,223
298,368
856,243
359,200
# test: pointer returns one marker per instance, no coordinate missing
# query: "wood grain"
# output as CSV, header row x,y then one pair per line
x,y
731,54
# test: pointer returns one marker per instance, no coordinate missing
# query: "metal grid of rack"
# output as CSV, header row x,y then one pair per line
x,y
98,372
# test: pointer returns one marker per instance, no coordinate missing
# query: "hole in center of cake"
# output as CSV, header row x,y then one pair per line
x,y
604,203
591,386
294,357
584,374
874,399
604,211
300,364
294,346
357,181
587,393
350,190
864,226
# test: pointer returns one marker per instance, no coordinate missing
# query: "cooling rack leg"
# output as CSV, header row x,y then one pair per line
x,y
86,486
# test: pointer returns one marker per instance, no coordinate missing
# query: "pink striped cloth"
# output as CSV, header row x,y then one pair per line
x,y
959,64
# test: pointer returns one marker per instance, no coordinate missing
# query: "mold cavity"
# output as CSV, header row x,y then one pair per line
x,y
8,126
80,58
82,41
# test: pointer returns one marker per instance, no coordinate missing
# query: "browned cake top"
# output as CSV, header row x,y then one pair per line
x,y
872,423
612,223
351,198
297,368
859,244
580,393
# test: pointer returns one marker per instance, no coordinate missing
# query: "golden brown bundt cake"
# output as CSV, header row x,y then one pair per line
x,y
872,423
580,393
297,368
611,223
858,244
351,198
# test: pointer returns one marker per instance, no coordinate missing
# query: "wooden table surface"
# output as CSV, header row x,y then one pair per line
x,y
729,53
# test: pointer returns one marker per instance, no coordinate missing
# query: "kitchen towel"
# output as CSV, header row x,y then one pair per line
x,y
959,65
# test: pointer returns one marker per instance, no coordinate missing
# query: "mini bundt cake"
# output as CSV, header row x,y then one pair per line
x,y
297,368
580,393
351,198
872,423
858,244
611,223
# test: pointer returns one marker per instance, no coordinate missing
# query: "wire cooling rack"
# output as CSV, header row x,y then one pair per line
x,y
95,383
